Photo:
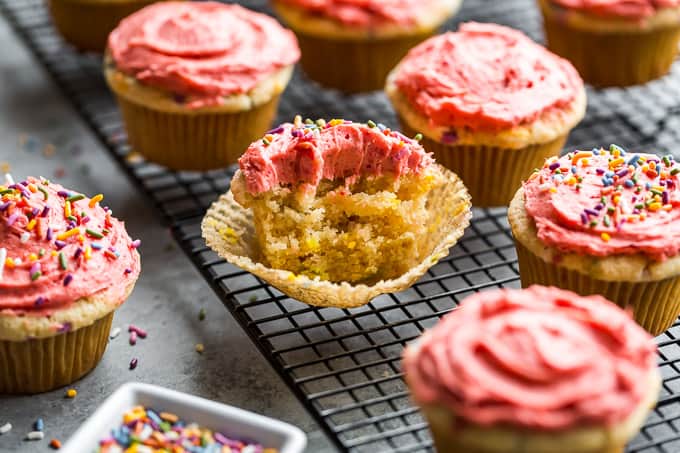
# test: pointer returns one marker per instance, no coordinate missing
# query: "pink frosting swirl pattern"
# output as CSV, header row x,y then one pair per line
x,y
607,202
58,246
540,358
630,9
203,51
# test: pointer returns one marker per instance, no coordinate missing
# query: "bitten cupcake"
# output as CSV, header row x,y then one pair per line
x,y
334,214
351,45
86,24
197,82
491,104
66,264
604,222
539,370
614,42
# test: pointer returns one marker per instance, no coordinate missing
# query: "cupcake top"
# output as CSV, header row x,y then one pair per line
x,y
203,51
607,202
58,246
485,77
306,153
631,9
539,358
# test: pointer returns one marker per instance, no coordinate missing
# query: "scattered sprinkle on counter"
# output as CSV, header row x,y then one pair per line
x,y
201,314
145,430
35,435
133,363
55,444
200,348
71,393
4,429
114,333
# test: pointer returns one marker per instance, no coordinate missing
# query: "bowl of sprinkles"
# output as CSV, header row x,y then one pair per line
x,y
145,418
607,222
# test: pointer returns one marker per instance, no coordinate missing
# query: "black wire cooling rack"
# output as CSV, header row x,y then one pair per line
x,y
344,365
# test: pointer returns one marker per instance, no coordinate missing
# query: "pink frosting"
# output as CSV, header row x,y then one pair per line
x,y
201,51
632,9
485,77
365,13
540,358
34,281
340,149
611,205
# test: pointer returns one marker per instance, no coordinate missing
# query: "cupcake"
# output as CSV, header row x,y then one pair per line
x,y
351,45
604,222
491,104
86,24
334,214
65,266
539,370
197,82
615,42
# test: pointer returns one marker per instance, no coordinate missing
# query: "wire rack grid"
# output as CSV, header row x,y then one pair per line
x,y
344,365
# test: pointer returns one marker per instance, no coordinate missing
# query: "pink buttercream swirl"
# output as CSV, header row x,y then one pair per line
x,y
365,13
306,154
629,9
607,204
485,77
203,51
52,260
539,358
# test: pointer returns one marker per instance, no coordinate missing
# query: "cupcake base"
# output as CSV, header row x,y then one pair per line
x,y
87,24
354,66
193,140
40,365
655,304
614,58
491,174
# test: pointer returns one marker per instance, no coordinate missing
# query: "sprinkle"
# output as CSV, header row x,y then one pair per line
x,y
616,162
35,435
628,183
133,363
31,224
616,150
110,254
55,444
77,253
654,206
418,137
71,393
62,261
133,338
605,237
88,252
63,194
200,348
4,429
201,314
554,166
68,234
584,218
74,198
97,246
94,200
12,219
39,425
675,171
580,155
634,160
25,236
68,279
139,331
135,244
114,333
9,180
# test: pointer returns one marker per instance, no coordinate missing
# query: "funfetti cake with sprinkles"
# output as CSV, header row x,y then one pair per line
x,y
66,264
334,213
604,222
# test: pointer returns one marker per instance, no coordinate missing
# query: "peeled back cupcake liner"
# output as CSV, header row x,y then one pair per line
x,y
229,229
40,365
357,65
194,140
492,174
655,304
614,58
86,24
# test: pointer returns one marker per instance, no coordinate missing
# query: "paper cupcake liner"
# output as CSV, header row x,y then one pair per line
x,y
491,174
614,59
87,24
240,247
194,140
40,365
655,304
354,66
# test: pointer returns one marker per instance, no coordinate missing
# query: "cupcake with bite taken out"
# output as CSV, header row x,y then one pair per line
x,y
66,264
491,104
604,222
540,370
197,82
311,195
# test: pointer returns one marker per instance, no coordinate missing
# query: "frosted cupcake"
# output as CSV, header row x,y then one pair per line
x,y
604,222
336,213
197,82
491,104
352,45
540,370
617,42
66,264
86,24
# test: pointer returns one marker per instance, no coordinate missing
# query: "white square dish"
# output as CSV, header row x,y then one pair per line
x,y
228,420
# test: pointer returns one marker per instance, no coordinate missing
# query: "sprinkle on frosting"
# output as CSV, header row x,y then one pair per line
x,y
485,77
540,358
48,257
631,9
201,51
307,152
606,201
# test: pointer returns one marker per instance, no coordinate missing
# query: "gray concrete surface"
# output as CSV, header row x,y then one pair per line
x,y
167,298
